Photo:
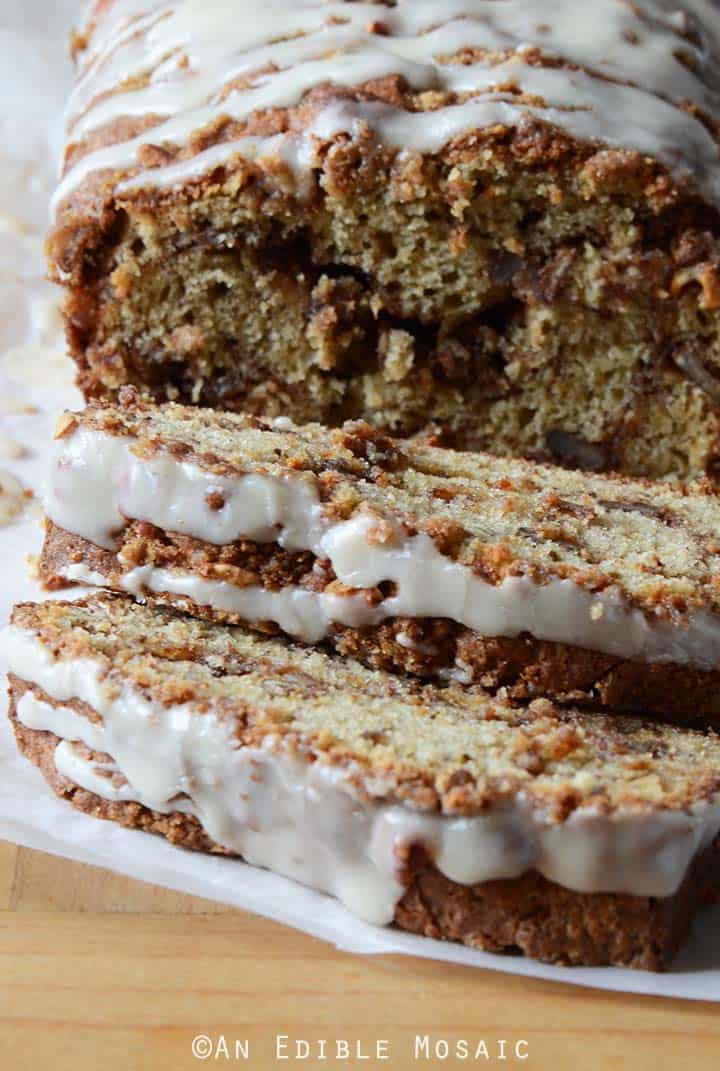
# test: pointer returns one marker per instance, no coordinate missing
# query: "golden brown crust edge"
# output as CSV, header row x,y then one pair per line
x,y
529,914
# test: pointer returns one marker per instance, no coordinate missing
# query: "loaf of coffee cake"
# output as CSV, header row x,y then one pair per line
x,y
583,588
496,220
573,838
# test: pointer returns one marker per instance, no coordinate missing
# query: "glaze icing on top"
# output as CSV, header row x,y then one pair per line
x,y
641,75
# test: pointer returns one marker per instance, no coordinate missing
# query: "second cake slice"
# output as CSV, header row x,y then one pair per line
x,y
575,838
599,590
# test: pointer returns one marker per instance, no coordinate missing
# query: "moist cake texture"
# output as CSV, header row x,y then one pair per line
x,y
545,582
488,220
578,838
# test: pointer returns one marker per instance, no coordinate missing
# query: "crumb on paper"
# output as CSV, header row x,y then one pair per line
x,y
34,509
32,562
14,406
66,423
39,360
11,449
13,497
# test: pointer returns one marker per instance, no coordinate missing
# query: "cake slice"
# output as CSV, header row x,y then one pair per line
x,y
574,838
545,582
500,219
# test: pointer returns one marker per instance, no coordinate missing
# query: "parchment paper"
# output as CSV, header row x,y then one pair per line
x,y
33,371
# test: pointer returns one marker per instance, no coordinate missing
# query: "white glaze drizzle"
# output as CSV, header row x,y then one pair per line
x,y
97,483
192,49
305,819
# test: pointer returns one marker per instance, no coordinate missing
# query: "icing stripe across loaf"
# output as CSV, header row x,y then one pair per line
x,y
638,76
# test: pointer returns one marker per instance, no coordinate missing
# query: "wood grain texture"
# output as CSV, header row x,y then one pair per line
x,y
99,971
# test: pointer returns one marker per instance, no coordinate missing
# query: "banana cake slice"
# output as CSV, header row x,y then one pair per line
x,y
497,217
455,566
575,838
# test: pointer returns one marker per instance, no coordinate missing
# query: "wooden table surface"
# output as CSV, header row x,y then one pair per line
x,y
101,972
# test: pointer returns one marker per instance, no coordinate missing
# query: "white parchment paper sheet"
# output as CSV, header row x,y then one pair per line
x,y
33,83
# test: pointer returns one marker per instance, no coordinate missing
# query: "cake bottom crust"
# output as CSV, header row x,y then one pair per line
x,y
527,915
525,667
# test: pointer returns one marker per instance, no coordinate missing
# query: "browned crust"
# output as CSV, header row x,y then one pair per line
x,y
243,563
529,914
85,214
39,747
524,667
556,925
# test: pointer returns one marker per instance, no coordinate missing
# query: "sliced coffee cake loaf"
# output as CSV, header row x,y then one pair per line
x,y
545,582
